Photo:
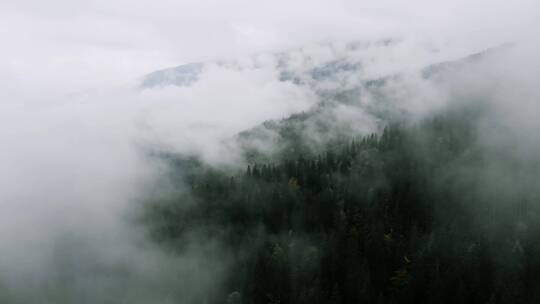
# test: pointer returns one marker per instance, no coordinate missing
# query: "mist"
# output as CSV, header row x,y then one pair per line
x,y
79,134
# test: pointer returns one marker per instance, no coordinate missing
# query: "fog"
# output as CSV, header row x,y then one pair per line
x,y
75,128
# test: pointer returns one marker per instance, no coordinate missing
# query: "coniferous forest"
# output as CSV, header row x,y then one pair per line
x,y
421,212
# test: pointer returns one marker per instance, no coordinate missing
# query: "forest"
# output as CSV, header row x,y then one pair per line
x,y
423,212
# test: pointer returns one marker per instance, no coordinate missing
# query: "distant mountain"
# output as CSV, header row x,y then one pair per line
x,y
344,111
301,68
187,74
434,69
352,98
182,75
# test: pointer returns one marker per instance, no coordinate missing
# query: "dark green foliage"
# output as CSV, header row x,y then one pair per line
x,y
407,216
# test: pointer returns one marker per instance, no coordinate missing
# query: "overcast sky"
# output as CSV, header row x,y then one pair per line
x,y
72,45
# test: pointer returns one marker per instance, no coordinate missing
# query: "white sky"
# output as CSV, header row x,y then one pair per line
x,y
73,45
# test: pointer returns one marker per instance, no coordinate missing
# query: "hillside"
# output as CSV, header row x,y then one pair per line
x,y
430,210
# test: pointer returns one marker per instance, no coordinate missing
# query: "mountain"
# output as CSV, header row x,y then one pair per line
x,y
434,69
355,96
183,75
346,60
300,66
442,209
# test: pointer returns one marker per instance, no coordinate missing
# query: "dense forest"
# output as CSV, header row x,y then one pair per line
x,y
422,212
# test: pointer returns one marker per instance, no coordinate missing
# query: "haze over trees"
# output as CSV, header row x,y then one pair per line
x,y
420,213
